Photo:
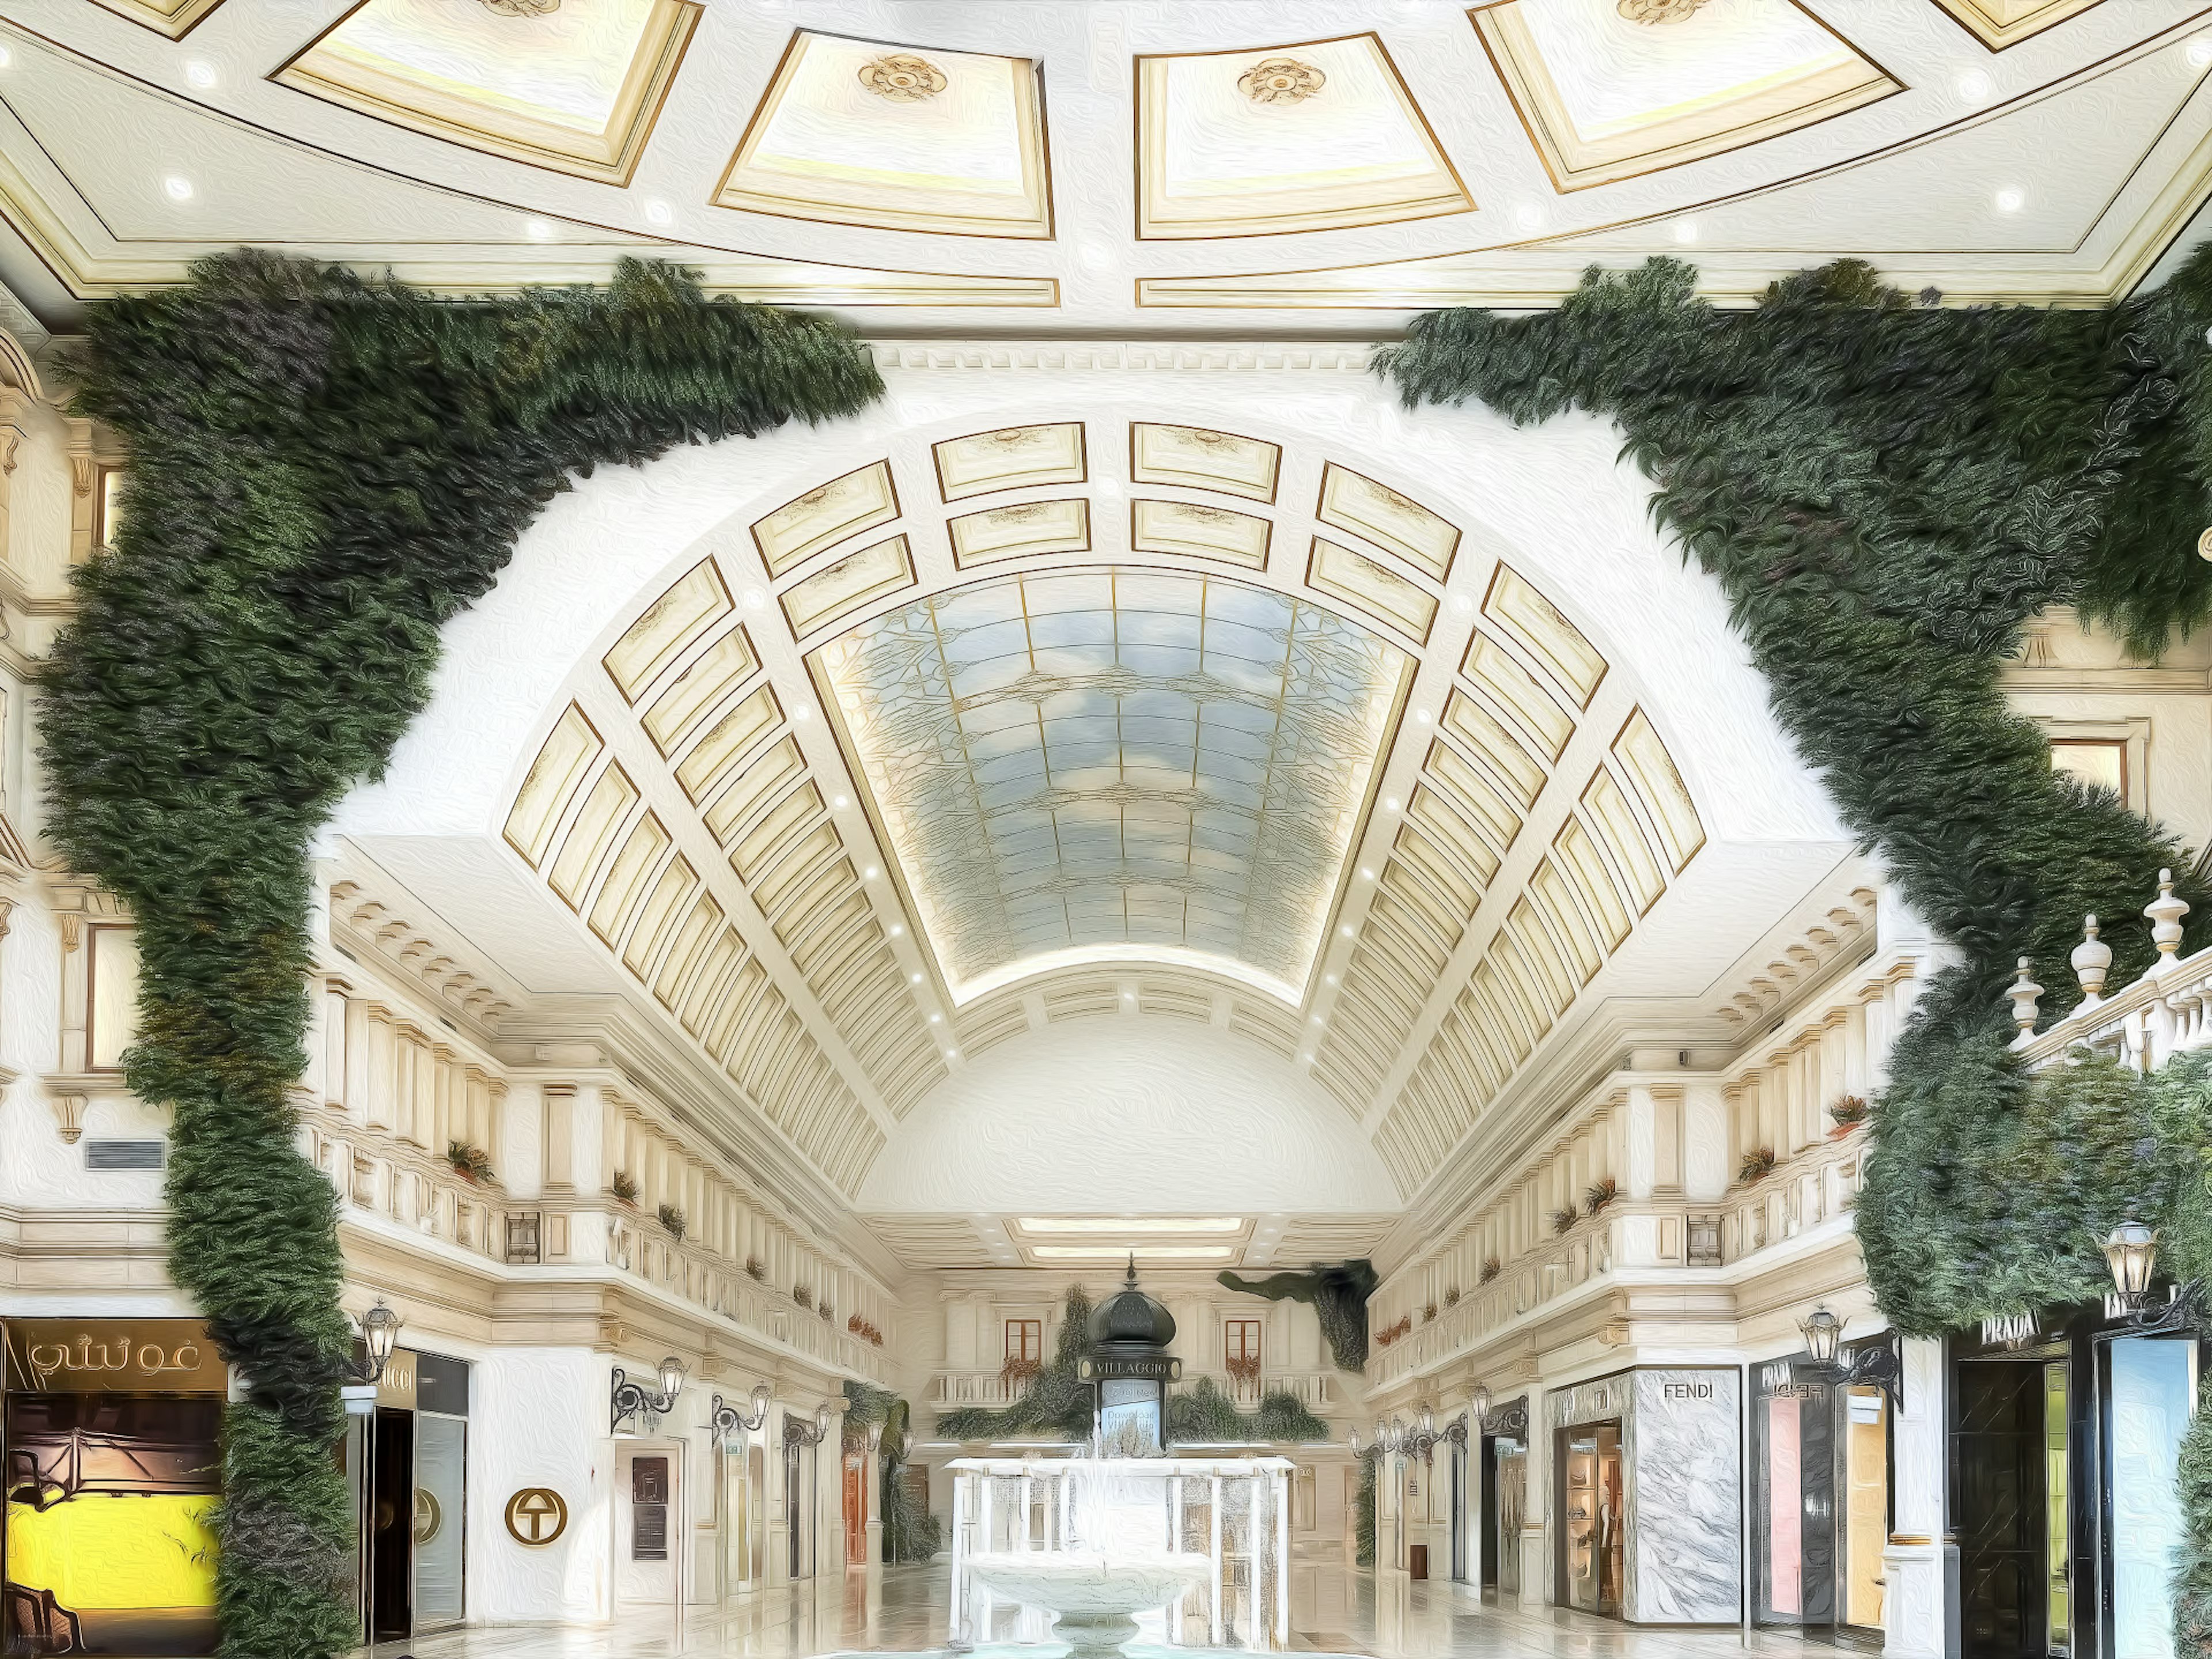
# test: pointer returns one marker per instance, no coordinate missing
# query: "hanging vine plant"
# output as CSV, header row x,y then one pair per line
x,y
1887,493
325,469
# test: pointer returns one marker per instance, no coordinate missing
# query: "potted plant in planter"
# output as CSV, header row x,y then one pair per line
x,y
471,1164
1491,1267
755,1269
625,1186
1756,1165
1597,1197
1243,1368
672,1219
1564,1219
802,1296
1848,1112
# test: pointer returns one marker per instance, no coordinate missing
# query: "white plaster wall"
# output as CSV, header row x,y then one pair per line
x,y
538,1418
1127,1112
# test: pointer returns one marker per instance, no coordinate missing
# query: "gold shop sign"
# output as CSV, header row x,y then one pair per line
x,y
396,1388
113,1356
537,1515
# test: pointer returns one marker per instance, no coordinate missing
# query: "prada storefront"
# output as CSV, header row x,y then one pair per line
x,y
2065,1430
111,1435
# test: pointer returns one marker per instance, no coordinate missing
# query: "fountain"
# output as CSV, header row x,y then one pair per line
x,y
1098,1539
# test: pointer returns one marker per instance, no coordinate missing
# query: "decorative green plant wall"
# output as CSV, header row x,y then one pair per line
x,y
1886,492
1058,1403
1338,1296
324,471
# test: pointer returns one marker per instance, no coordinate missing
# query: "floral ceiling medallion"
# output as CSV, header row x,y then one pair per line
x,y
903,77
1283,81
521,8
1658,11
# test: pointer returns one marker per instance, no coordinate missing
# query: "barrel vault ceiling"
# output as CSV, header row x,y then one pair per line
x,y
1102,165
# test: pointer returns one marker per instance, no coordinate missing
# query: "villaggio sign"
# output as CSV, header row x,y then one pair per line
x,y
113,1356
1132,1368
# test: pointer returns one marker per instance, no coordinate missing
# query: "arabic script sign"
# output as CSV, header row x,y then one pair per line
x,y
113,1356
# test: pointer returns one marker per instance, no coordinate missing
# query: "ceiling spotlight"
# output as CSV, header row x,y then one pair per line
x,y
1528,215
1328,979
802,712
953,1053
839,802
755,598
1316,1019
1345,930
1389,803
1422,716
6,57
872,871
1366,874
1974,87
1305,1060
2200,52
1098,256
199,72
916,978
1462,602
658,212
1128,996
936,1019
2011,199
898,930
539,230
1686,230
177,187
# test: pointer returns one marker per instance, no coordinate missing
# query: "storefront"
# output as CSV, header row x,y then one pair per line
x,y
110,1434
1646,1478
407,1464
1504,1461
1820,1501
2065,1434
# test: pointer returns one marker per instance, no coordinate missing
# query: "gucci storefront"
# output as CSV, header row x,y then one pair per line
x,y
1820,1503
407,1463
110,1436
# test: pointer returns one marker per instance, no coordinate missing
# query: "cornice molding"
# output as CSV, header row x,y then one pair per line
x,y
1126,355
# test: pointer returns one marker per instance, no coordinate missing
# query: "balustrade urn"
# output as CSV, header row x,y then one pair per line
x,y
2023,993
2091,960
2165,913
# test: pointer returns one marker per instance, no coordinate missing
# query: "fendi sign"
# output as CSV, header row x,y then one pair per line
x,y
113,1356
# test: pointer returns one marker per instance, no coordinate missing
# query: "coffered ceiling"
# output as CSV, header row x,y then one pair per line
x,y
1097,164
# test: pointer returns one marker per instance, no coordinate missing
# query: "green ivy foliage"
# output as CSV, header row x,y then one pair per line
x,y
911,1533
1885,493
325,469
1362,1515
1203,1414
1338,1296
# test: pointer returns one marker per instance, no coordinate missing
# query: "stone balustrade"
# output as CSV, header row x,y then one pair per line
x,y
1317,1391
391,1178
2167,1012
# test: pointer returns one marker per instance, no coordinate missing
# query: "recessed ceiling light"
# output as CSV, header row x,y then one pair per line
x,y
658,212
1462,602
898,930
1345,930
917,977
1974,87
1389,803
177,187
539,230
1096,255
839,802
1328,979
6,57
872,871
1423,716
1128,996
1150,1223
1686,230
2200,52
802,712
1305,1060
1366,874
1528,215
1316,1019
953,1053
1122,1252
755,598
199,72
1107,490
936,1019
2011,199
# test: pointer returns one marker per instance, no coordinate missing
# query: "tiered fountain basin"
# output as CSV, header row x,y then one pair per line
x,y
1094,1596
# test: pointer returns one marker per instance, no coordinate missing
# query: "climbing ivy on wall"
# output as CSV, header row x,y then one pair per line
x,y
1886,492
911,1533
324,471
1338,1296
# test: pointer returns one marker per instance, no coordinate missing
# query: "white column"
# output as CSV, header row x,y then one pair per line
x,y
1918,1563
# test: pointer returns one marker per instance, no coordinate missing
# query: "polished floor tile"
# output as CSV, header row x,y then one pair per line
x,y
1333,1610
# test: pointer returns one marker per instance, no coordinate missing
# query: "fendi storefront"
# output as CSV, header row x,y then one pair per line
x,y
111,1435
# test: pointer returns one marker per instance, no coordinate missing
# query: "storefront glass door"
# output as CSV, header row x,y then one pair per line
x,y
2151,1384
1590,1489
1512,1505
2009,1470
1865,1475
441,1510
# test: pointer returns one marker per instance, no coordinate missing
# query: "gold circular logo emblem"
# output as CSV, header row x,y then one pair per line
x,y
2204,545
429,1516
536,1515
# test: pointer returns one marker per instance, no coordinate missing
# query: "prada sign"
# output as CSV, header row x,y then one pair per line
x,y
113,1356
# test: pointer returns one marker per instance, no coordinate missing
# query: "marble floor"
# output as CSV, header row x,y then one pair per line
x,y
1333,1610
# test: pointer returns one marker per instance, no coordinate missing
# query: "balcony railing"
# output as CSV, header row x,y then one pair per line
x,y
2167,1012
1317,1391
386,1177
1813,1185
